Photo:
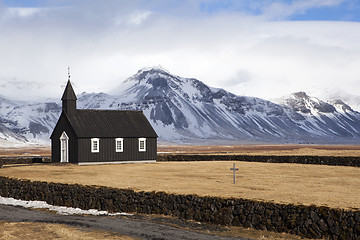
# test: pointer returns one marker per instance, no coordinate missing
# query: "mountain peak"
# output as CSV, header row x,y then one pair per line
x,y
152,74
340,104
300,95
301,102
157,68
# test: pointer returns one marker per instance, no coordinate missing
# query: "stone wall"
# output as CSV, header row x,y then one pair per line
x,y
306,221
317,160
23,160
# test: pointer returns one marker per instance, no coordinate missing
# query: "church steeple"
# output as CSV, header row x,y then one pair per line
x,y
69,98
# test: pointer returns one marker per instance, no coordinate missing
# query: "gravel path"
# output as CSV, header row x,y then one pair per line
x,y
136,226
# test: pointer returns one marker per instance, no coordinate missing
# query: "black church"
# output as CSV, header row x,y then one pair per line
x,y
88,137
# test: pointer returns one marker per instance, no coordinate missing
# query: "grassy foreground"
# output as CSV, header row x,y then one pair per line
x,y
331,186
45,231
279,149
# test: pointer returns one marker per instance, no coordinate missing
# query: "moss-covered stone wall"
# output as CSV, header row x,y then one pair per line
x,y
23,160
317,160
307,221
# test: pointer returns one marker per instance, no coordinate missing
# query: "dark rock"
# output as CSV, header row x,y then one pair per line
x,y
238,210
242,219
357,228
337,215
236,221
357,217
324,212
335,230
189,213
146,209
256,220
314,231
292,221
247,224
248,209
261,210
351,222
224,216
268,213
303,232
276,221
197,215
346,233
314,216
308,222
284,214
330,221
322,225
343,223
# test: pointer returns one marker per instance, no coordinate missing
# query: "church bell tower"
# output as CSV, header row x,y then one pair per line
x,y
69,98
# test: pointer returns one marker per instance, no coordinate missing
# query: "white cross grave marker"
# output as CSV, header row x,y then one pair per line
x,y
234,170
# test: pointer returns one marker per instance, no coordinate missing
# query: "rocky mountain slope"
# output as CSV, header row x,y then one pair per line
x,y
187,110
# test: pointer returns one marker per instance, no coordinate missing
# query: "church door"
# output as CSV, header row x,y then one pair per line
x,y
64,148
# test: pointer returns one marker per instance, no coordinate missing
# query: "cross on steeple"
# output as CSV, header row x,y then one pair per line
x,y
69,73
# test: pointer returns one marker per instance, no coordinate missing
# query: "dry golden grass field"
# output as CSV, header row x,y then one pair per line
x,y
25,151
286,149
331,186
45,231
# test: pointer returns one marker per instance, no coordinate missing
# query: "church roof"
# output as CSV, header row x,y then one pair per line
x,y
69,93
110,124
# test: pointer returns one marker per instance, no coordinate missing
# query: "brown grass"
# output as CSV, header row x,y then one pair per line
x,y
25,151
45,231
331,186
254,234
285,149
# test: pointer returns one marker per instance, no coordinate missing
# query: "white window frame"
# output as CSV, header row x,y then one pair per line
x,y
140,148
121,141
95,142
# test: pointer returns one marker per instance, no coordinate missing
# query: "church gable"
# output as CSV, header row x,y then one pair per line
x,y
63,124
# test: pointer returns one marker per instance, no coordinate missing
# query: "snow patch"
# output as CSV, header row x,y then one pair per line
x,y
58,209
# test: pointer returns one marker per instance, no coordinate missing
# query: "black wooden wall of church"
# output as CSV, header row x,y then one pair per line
x,y
107,152
64,125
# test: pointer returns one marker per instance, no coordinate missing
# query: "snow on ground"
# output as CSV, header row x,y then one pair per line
x,y
58,209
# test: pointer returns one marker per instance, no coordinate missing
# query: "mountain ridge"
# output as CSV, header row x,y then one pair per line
x,y
187,110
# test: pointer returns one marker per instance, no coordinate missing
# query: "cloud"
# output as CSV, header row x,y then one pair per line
x,y
135,18
139,17
22,90
250,55
23,12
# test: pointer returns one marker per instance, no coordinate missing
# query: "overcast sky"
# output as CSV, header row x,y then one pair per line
x,y
264,48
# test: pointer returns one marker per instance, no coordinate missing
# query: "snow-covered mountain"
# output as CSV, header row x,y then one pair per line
x,y
7,134
187,110
352,100
333,120
22,122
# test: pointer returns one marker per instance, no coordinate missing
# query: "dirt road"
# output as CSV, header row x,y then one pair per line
x,y
136,226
